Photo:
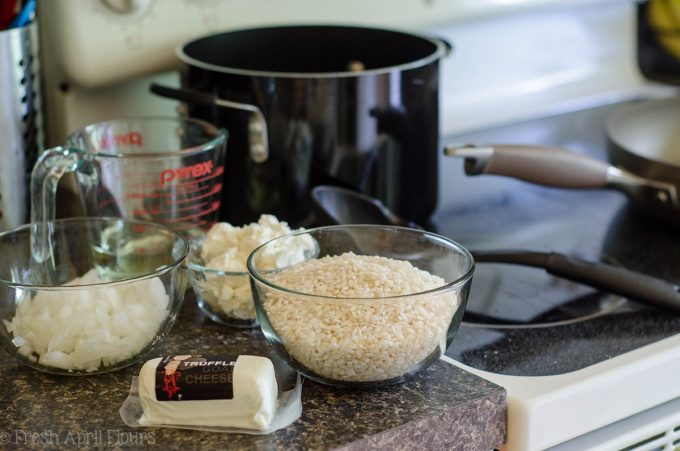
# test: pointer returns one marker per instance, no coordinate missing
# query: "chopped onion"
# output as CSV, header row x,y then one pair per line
x,y
87,328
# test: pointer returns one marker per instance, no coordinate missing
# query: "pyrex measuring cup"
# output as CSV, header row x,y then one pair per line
x,y
159,169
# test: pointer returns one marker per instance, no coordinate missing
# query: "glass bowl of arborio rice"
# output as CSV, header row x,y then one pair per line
x,y
95,295
375,306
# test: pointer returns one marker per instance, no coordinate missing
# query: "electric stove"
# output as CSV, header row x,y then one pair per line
x,y
572,359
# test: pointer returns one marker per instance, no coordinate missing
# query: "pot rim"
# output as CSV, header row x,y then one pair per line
x,y
443,48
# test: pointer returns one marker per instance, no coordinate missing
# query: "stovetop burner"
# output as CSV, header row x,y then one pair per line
x,y
522,321
582,308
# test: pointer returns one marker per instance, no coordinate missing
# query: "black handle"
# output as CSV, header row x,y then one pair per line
x,y
183,94
624,282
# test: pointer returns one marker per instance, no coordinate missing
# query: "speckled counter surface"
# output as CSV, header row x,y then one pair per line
x,y
442,408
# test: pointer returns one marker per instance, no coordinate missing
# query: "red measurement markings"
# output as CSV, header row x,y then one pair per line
x,y
193,189
172,192
219,171
192,225
172,197
148,195
156,211
216,189
184,188
213,207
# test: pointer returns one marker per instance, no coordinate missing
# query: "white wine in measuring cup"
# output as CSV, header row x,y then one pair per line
x,y
122,250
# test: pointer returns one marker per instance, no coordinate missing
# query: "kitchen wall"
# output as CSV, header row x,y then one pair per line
x,y
511,58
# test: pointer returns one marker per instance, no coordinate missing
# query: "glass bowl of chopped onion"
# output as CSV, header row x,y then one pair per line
x,y
376,305
217,266
84,296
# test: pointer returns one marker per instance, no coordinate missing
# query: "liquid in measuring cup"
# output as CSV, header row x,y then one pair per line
x,y
117,256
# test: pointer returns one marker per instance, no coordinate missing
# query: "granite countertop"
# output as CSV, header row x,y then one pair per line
x,y
443,407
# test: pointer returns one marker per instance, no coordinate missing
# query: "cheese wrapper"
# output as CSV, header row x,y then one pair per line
x,y
197,392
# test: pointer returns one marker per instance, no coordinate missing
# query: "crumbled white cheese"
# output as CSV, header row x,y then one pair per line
x,y
226,248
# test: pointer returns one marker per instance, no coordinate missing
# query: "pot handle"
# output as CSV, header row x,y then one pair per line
x,y
557,167
257,125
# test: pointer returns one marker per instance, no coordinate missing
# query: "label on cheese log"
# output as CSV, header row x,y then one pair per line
x,y
194,377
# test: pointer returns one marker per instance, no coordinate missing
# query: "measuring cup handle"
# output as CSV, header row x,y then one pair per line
x,y
49,168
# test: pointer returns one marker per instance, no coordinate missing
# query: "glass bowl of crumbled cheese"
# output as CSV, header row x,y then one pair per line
x,y
376,305
85,296
218,272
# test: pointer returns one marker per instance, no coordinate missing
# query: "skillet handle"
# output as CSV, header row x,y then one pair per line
x,y
613,279
557,167
548,166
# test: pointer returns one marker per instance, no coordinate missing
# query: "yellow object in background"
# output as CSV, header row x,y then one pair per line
x,y
664,18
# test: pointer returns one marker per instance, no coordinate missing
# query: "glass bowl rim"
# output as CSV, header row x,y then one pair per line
x,y
201,268
467,275
103,219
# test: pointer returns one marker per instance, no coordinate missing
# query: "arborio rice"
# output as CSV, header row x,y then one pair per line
x,y
360,340
226,248
83,329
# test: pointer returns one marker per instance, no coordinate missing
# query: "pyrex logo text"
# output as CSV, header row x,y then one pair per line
x,y
186,173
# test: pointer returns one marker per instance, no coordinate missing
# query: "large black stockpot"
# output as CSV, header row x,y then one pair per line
x,y
305,105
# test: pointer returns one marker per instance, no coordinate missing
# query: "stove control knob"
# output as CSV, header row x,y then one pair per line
x,y
128,8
